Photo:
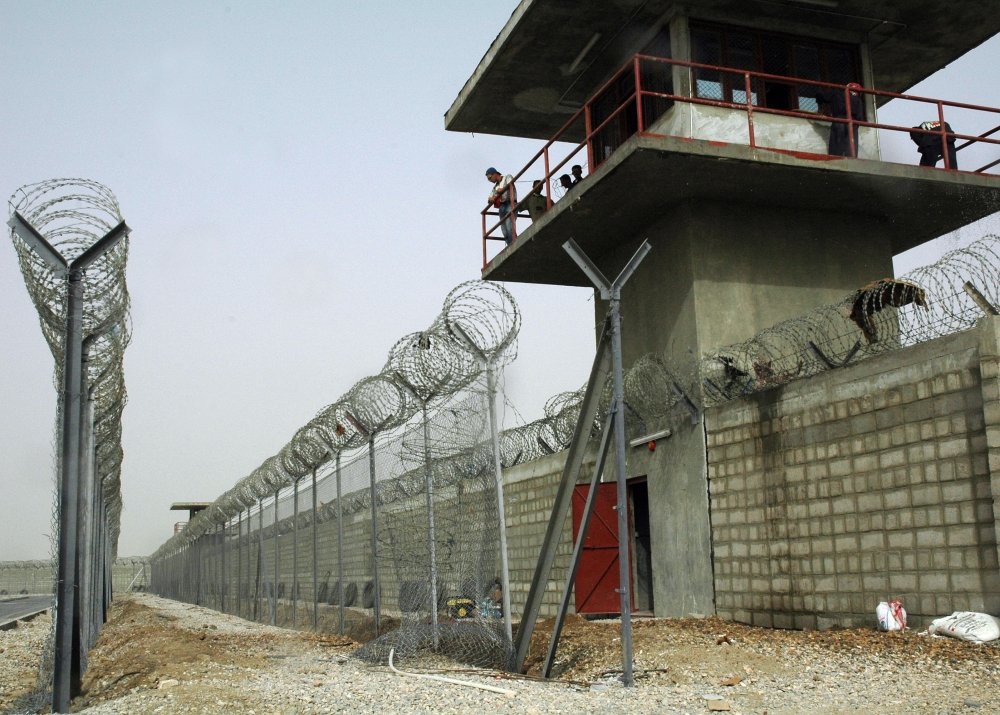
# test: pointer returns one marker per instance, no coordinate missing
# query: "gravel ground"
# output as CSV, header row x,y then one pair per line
x,y
20,653
160,656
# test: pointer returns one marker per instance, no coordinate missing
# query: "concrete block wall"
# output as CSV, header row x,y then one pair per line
x,y
866,483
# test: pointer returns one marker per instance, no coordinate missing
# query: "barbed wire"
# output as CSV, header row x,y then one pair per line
x,y
72,215
887,314
421,367
424,415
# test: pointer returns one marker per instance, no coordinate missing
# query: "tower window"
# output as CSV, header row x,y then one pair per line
x,y
770,53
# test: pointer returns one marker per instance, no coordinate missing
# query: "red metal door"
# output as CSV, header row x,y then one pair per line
x,y
597,577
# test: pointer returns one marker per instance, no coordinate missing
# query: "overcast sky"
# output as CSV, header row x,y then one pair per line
x,y
296,207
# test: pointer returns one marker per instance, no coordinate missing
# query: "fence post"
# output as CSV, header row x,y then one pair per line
x,y
315,552
295,551
340,547
274,585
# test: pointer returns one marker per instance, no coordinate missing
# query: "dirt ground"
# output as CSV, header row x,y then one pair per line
x,y
144,648
687,649
140,647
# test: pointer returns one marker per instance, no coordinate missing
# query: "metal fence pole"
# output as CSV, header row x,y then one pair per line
x,y
491,389
67,665
66,674
340,547
491,392
315,555
223,575
374,517
295,551
239,564
86,556
274,585
431,545
258,605
611,291
199,543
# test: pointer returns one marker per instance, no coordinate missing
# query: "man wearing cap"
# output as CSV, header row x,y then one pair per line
x,y
503,197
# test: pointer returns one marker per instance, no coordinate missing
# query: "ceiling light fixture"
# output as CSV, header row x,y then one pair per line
x,y
583,53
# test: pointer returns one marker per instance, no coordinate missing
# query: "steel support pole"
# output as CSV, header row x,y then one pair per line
x,y
198,565
564,496
340,547
247,608
66,665
376,586
431,545
274,585
66,673
611,291
258,606
624,535
86,556
295,551
97,608
581,537
239,564
491,389
315,556
223,575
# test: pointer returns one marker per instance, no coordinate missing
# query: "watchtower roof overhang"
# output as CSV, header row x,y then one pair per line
x,y
552,54
645,176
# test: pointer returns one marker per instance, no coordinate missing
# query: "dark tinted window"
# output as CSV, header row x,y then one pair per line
x,y
769,53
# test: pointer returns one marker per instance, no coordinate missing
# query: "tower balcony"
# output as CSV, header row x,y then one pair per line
x,y
663,133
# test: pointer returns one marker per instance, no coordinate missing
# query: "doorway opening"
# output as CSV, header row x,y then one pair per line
x,y
642,555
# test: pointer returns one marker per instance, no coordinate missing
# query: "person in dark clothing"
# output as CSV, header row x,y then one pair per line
x,y
565,182
577,171
833,102
929,145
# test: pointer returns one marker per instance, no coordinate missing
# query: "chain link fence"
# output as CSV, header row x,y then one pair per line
x,y
382,518
37,578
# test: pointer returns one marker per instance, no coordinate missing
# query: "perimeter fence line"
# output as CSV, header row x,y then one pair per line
x,y
36,577
403,468
72,247
312,539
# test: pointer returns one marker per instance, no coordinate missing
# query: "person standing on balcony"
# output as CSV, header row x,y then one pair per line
x,y
577,174
832,101
503,197
536,200
566,183
929,145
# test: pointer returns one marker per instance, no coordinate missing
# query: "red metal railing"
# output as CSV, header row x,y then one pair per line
x,y
630,112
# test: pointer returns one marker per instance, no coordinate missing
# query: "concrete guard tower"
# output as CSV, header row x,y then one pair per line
x,y
705,130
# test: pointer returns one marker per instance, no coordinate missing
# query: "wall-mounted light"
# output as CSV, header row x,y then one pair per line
x,y
648,439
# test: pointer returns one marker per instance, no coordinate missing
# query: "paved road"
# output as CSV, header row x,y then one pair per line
x,y
19,608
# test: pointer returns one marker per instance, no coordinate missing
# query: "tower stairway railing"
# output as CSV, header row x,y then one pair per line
x,y
661,97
